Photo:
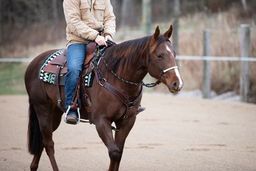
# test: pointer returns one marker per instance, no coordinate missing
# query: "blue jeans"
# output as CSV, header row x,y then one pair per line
x,y
75,59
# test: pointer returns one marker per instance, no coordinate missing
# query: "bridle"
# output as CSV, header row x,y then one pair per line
x,y
169,69
148,85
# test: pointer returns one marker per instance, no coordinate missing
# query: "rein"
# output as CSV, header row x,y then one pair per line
x,y
148,85
120,78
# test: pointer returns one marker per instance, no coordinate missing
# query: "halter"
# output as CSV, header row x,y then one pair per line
x,y
169,69
149,85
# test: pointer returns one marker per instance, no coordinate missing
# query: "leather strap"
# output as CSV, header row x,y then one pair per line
x,y
125,99
59,100
74,103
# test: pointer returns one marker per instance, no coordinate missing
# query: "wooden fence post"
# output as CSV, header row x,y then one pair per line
x,y
245,49
206,64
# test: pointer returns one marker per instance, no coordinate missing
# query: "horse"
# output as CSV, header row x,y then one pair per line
x,y
114,97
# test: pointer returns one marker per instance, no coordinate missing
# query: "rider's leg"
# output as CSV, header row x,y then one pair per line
x,y
75,59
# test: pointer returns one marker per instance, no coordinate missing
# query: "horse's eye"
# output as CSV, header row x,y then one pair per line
x,y
160,56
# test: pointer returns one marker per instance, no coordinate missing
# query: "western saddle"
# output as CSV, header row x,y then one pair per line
x,y
58,65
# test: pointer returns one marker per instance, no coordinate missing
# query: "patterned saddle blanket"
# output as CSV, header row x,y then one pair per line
x,y
54,69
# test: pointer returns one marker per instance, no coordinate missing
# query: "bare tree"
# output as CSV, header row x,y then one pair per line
x,y
131,13
117,4
55,10
176,25
147,16
244,3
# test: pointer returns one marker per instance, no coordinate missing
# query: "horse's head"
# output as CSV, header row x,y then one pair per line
x,y
161,62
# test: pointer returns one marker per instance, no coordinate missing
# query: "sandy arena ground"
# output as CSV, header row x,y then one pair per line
x,y
173,134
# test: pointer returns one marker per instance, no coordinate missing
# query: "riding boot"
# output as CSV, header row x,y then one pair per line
x,y
71,115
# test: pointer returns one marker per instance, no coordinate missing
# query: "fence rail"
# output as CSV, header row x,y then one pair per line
x,y
180,57
206,58
17,60
217,58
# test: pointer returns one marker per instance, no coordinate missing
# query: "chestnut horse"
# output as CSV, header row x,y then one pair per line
x,y
123,68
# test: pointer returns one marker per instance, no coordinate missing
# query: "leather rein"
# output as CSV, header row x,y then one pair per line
x,y
148,85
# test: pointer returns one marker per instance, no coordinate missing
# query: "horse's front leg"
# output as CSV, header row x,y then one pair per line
x,y
104,130
124,126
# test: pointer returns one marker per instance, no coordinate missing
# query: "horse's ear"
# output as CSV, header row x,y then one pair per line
x,y
157,33
168,33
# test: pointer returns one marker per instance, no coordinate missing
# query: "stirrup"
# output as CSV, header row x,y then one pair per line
x,y
66,113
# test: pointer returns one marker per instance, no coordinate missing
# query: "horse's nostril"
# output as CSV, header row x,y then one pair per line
x,y
175,84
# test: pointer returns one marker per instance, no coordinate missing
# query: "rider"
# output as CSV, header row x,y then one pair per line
x,y
87,20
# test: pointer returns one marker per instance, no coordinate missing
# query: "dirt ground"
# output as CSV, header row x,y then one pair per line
x,y
173,134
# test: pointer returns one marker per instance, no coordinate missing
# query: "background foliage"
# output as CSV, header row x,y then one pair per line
x,y
26,23
29,27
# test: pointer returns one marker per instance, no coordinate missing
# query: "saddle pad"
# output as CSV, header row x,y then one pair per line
x,y
88,79
48,76
48,71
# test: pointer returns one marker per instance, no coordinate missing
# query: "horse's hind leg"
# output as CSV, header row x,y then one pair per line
x,y
49,147
46,127
35,161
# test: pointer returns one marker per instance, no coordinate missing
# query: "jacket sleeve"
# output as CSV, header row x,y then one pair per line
x,y
109,19
73,19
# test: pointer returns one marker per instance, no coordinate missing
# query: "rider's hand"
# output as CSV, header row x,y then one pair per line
x,y
108,37
100,40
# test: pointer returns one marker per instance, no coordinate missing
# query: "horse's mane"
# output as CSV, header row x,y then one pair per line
x,y
126,52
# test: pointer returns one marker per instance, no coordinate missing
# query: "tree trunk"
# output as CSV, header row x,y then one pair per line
x,y
117,4
55,10
244,3
146,15
129,13
176,25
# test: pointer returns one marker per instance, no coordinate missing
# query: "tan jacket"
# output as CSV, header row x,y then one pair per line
x,y
85,18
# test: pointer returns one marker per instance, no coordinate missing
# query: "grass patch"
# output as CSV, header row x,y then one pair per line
x,y
12,78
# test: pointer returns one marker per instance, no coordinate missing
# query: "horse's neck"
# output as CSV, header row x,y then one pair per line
x,y
132,65
132,69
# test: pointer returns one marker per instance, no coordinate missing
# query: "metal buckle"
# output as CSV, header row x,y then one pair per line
x,y
59,101
102,81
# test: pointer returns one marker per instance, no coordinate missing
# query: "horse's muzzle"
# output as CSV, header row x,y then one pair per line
x,y
175,86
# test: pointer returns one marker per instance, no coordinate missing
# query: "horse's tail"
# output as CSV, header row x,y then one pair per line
x,y
34,135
